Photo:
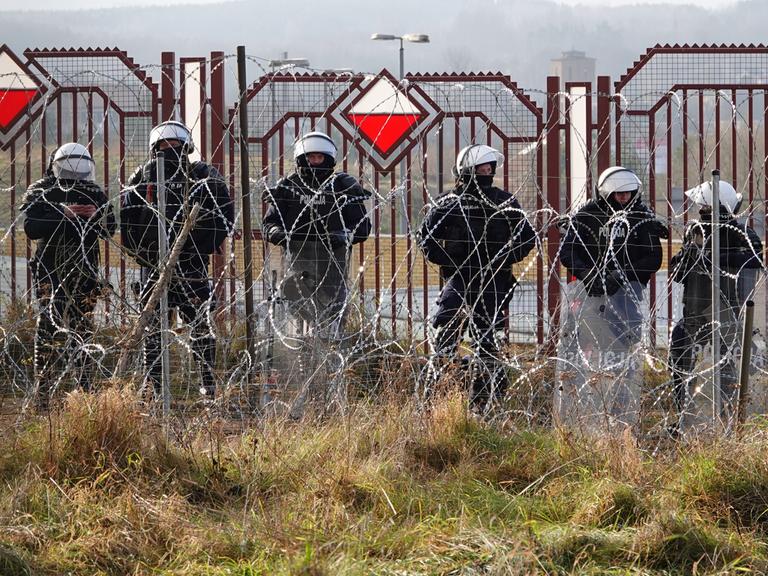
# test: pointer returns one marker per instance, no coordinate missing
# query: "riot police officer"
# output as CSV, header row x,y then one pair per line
x,y
739,261
474,233
186,183
611,249
315,215
67,213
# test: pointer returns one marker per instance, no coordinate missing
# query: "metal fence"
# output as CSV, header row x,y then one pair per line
x,y
675,115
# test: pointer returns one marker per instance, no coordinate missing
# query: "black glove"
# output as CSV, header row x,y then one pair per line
x,y
613,281
278,237
659,229
338,239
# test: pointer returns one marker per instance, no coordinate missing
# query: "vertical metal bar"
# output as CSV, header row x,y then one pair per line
x,y
28,183
652,202
764,168
13,220
702,136
59,121
603,123
751,158
425,200
440,159
718,133
670,173
233,262
162,251
588,143
123,299
409,248
107,187
217,97
393,256
44,141
619,114
75,130
377,251
567,168
734,157
203,120
539,226
715,239
685,155
168,85
746,358
246,203
553,199
361,245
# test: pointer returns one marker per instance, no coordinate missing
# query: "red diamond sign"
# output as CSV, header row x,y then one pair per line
x,y
386,115
18,89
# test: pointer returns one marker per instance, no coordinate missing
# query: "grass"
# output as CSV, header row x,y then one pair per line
x,y
102,488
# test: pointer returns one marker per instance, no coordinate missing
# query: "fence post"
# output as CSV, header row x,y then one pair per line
x,y
603,123
168,86
746,357
553,199
218,121
245,194
162,252
715,240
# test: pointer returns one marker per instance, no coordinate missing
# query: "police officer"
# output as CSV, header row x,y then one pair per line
x,y
739,261
474,233
67,213
186,183
612,248
315,215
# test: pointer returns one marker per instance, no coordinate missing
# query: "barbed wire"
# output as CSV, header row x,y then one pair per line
x,y
361,318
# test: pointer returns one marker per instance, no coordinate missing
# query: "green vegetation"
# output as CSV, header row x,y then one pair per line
x,y
102,488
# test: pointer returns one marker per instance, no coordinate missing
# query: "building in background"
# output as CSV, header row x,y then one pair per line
x,y
573,66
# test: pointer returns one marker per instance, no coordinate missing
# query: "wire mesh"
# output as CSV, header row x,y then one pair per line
x,y
676,116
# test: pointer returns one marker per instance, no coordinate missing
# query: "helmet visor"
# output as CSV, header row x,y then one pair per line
x,y
74,167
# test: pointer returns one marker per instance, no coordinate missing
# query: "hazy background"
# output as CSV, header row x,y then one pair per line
x,y
518,37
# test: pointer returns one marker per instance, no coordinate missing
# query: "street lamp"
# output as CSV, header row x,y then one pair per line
x,y
415,38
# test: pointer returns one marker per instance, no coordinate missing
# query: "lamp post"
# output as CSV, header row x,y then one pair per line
x,y
415,38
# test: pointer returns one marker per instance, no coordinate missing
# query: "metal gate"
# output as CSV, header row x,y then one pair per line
x,y
675,115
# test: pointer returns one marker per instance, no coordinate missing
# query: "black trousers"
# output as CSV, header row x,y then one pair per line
x,y
689,336
64,329
192,296
481,303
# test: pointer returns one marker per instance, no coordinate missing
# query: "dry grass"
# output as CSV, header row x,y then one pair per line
x,y
102,488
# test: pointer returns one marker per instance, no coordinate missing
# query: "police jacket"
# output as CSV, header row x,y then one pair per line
x,y
605,248
333,214
65,245
740,249
185,186
472,229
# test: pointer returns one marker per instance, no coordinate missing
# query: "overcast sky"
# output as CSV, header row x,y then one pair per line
x,y
84,4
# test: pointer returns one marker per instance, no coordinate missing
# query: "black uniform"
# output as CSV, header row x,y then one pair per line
x,y
475,234
613,250
316,219
607,247
65,269
190,288
740,258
